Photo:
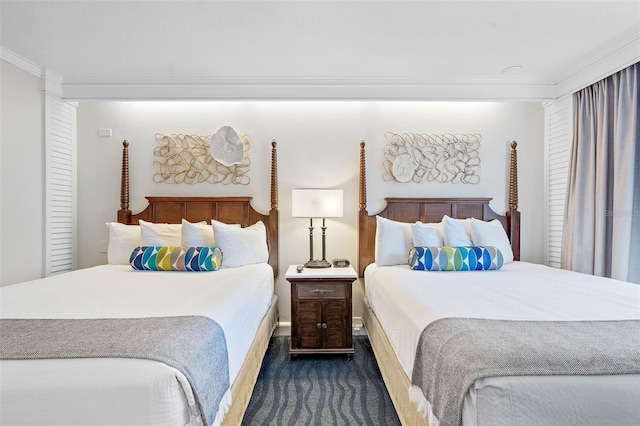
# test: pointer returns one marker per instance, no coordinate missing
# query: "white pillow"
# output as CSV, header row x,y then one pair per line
x,y
197,234
457,232
427,234
161,234
492,234
122,240
241,246
393,242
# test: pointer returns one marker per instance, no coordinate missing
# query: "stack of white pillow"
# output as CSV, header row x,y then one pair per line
x,y
395,239
240,246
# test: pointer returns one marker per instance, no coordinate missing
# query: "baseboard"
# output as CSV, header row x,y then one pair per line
x,y
283,329
358,327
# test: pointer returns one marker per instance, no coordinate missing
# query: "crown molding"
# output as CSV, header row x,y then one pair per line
x,y
304,88
327,88
51,80
281,88
20,62
627,53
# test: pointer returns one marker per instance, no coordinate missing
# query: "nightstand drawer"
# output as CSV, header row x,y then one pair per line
x,y
321,290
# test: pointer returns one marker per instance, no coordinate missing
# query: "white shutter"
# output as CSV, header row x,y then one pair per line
x,y
60,185
558,139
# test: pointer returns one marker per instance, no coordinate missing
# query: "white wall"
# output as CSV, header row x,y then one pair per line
x,y
21,195
318,146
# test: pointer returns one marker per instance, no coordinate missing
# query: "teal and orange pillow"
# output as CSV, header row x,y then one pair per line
x,y
455,258
163,258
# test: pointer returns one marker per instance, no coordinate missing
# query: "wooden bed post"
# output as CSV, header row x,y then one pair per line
x,y
513,215
273,213
124,214
362,186
363,215
274,175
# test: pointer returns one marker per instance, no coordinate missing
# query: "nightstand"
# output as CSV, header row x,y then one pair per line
x,y
321,310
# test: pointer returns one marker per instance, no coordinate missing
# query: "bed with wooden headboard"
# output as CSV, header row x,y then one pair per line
x,y
402,305
106,387
412,210
232,209
432,210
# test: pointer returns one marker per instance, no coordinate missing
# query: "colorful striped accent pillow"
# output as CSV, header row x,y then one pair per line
x,y
161,258
459,258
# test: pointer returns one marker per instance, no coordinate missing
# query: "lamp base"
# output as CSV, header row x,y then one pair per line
x,y
317,264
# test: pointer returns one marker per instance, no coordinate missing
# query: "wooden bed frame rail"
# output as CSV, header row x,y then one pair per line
x,y
231,209
432,210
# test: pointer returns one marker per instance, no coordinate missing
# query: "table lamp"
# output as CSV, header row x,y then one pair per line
x,y
318,203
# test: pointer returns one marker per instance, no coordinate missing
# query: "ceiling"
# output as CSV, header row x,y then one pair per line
x,y
348,47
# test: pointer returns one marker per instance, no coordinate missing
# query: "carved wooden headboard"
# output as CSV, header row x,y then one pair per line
x,y
432,210
230,209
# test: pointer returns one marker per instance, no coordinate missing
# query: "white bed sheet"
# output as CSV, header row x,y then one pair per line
x,y
406,301
82,390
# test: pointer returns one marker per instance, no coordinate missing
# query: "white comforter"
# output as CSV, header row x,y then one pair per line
x,y
81,391
406,301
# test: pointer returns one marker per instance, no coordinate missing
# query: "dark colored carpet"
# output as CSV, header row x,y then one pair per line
x,y
320,390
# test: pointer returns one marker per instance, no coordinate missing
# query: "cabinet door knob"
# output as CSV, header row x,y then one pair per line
x,y
319,326
324,325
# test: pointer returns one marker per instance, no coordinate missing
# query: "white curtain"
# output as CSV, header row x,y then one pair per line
x,y
601,233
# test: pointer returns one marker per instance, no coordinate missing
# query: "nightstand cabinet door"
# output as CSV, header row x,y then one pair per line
x,y
309,323
336,331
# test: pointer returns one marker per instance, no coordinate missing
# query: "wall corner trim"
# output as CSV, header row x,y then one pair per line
x,y
51,82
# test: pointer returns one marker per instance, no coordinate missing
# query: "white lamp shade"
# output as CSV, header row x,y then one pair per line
x,y
316,203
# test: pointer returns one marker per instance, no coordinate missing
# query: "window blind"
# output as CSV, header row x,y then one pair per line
x,y
60,186
558,138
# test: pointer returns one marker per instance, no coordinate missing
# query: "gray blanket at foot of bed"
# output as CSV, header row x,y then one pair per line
x,y
454,352
194,345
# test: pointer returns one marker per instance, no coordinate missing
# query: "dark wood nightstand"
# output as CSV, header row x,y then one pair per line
x,y
321,310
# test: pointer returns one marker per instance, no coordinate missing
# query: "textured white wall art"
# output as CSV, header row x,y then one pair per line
x,y
411,157
226,147
187,159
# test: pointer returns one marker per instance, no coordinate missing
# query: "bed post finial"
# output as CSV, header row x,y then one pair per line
x,y
274,175
124,214
362,189
513,178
